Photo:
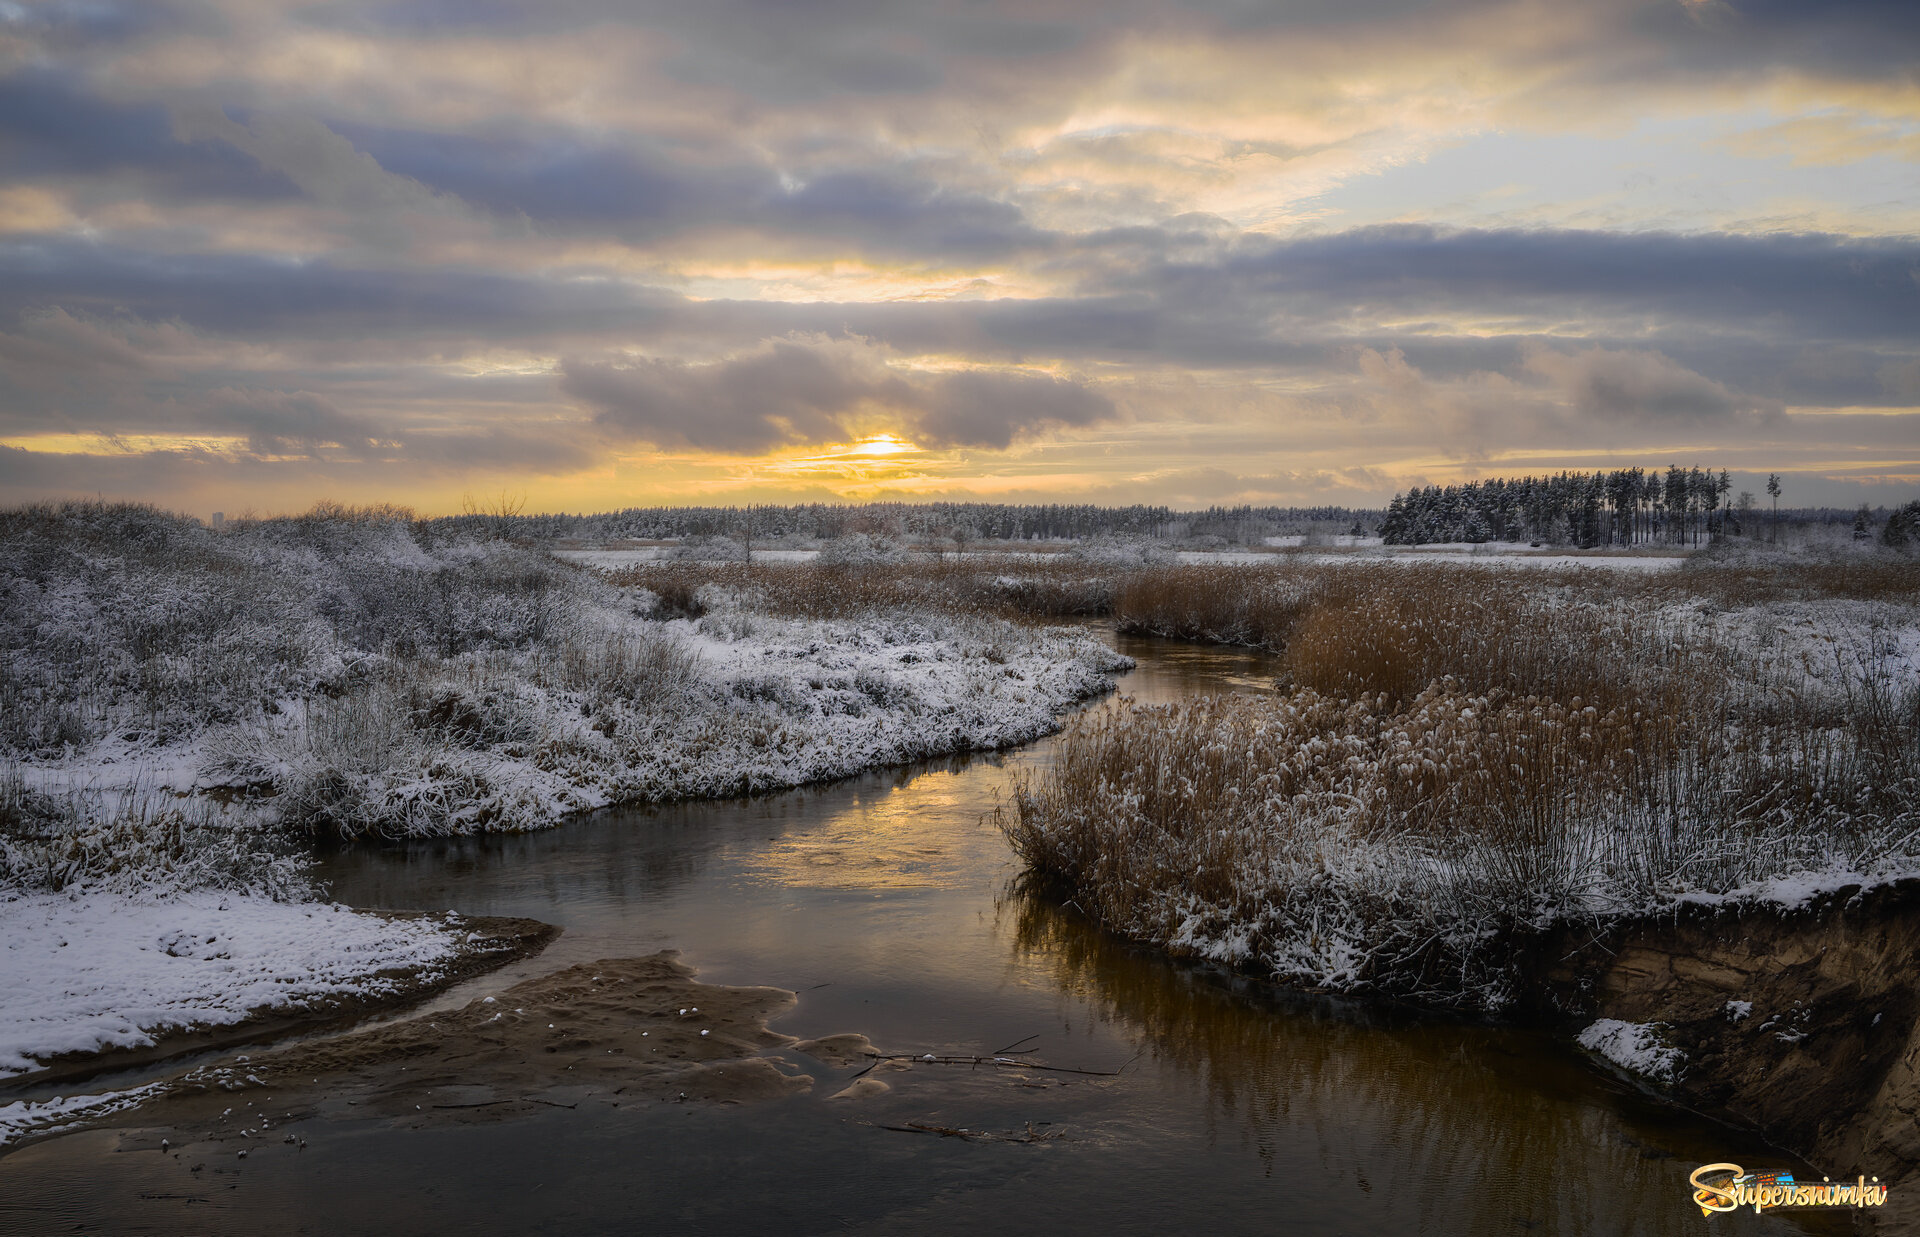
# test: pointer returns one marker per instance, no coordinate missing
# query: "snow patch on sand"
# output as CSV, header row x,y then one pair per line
x,y
64,1111
1635,1047
86,972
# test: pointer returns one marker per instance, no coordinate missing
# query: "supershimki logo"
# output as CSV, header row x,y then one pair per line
x,y
1728,1187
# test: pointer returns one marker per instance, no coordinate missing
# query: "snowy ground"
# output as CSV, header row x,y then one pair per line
x,y
1345,550
1634,1047
1508,556
88,972
744,703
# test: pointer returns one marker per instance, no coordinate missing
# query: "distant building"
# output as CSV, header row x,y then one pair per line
x,y
219,519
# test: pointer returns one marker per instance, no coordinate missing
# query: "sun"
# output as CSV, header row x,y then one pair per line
x,y
881,444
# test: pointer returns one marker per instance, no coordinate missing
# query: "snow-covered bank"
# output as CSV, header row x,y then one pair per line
x,y
1457,763
88,972
731,703
63,1112
343,673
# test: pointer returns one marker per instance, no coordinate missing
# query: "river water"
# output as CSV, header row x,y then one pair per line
x,y
890,904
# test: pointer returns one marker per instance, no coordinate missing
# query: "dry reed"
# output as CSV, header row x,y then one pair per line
x,y
1454,756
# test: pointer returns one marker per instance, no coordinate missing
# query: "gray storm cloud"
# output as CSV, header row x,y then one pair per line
x,y
282,421
788,393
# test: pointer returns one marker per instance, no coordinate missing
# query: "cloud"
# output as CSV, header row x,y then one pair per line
x,y
787,393
418,237
277,422
986,408
1647,387
50,125
784,394
646,188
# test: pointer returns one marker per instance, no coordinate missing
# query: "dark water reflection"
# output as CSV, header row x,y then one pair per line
x,y
891,905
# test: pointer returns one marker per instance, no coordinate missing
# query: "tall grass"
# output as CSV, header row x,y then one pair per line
x,y
1457,757
1256,605
132,845
979,584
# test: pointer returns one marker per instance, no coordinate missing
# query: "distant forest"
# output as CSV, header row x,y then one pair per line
x,y
1628,506
1631,506
962,521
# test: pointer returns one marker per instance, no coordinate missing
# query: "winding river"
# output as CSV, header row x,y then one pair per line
x,y
889,904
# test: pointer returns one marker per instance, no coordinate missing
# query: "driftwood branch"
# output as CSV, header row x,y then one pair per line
x,y
1031,1135
997,1062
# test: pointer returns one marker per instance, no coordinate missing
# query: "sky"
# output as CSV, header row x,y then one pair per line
x,y
590,254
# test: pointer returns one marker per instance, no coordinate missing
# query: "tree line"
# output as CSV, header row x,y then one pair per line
x,y
825,521
1627,506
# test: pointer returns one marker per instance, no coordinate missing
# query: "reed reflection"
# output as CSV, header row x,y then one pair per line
x,y
1453,1126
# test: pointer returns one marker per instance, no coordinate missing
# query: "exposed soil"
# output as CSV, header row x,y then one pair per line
x,y
1826,1062
618,1031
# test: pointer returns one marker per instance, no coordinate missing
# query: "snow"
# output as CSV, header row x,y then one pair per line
x,y
49,1116
1338,541
85,972
758,703
1795,890
614,560
1466,555
350,679
1635,1047
1461,555
611,560
1344,549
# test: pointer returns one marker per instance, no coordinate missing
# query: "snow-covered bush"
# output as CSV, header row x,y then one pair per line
x,y
708,550
860,550
1124,552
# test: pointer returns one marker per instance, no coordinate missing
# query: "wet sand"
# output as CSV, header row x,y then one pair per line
x,y
620,1031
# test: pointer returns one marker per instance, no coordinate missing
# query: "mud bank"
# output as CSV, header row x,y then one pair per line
x,y
617,1030
1802,1023
621,1031
485,944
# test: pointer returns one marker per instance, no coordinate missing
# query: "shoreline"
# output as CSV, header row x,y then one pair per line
x,y
493,942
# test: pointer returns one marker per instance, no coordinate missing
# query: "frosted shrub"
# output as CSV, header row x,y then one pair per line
x,y
1124,552
639,666
709,550
860,550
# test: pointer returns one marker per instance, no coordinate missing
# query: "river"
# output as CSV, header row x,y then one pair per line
x,y
890,904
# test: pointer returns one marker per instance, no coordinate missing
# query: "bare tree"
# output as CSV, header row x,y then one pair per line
x,y
499,511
